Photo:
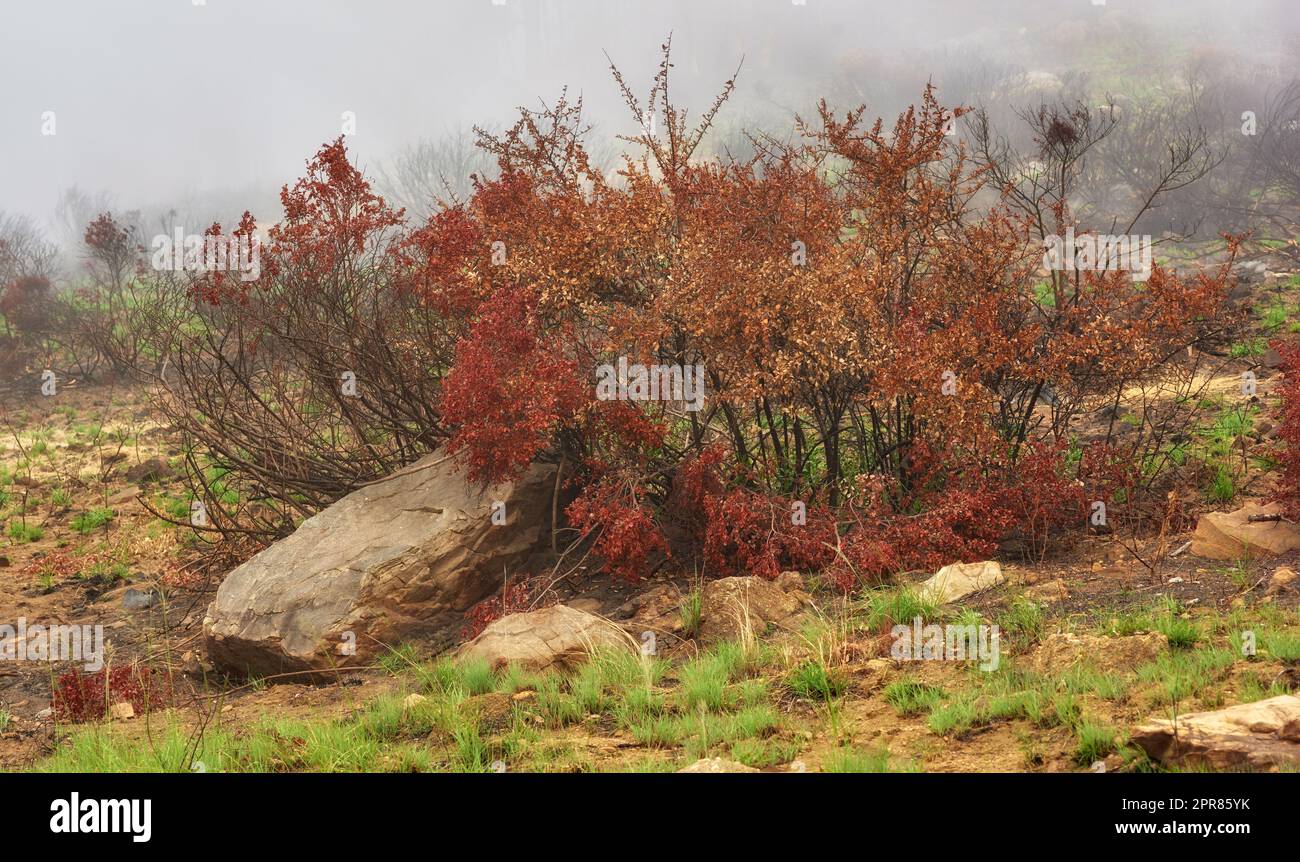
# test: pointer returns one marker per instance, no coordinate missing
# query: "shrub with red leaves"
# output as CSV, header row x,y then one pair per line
x,y
81,697
508,390
624,525
25,303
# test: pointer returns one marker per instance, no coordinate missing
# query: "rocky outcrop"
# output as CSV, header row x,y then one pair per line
x,y
1261,735
1233,535
555,637
396,561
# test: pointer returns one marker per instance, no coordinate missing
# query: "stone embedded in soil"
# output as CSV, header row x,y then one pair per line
x,y
1061,651
959,580
121,711
717,764
1260,735
136,600
731,608
554,637
1049,591
491,713
397,561
1282,579
1232,535
151,470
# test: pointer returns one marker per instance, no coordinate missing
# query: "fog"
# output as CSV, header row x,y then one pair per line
x,y
208,109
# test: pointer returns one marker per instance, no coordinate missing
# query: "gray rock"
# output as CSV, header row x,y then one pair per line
x,y
136,600
397,561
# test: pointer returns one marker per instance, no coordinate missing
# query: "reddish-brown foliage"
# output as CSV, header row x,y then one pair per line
x,y
81,697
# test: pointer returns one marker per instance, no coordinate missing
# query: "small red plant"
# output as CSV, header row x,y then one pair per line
x,y
80,697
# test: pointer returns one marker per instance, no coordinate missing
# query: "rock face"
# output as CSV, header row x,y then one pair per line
x,y
1260,735
554,637
399,560
955,582
1232,535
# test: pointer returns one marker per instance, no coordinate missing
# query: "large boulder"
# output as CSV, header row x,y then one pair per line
x,y
555,637
1261,735
396,561
1233,535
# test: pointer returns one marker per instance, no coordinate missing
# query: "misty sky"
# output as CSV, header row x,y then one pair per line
x,y
161,101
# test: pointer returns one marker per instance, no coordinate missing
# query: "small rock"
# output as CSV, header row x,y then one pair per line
x,y
151,470
520,696
491,712
1049,591
190,663
136,600
45,714
413,700
1282,579
126,495
121,711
